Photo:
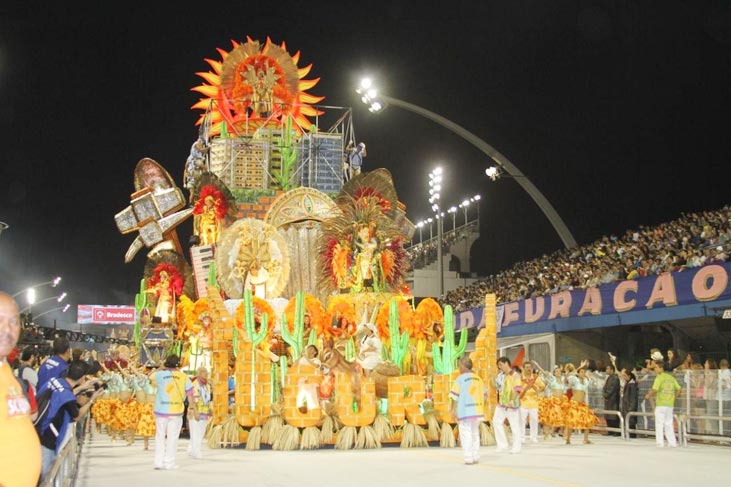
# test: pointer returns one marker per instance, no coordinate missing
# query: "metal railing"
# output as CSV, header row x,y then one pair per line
x,y
602,427
704,437
679,426
66,466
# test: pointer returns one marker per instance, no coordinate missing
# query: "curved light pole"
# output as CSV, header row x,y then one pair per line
x,y
31,302
377,102
53,283
3,226
62,308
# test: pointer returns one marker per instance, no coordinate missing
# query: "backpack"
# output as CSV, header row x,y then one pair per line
x,y
44,403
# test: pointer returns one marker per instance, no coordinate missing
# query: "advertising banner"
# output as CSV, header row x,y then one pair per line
x,y
689,286
95,314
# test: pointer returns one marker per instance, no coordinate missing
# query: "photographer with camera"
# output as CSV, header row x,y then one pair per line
x,y
58,409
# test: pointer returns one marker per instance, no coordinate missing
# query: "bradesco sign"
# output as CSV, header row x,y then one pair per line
x,y
94,314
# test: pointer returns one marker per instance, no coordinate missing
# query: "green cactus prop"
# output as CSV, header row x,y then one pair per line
x,y
295,338
399,341
445,358
288,149
140,304
255,337
212,277
312,340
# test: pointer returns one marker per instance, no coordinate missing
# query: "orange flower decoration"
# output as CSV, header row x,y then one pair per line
x,y
313,307
405,314
427,312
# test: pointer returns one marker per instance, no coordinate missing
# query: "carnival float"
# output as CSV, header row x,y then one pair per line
x,y
294,283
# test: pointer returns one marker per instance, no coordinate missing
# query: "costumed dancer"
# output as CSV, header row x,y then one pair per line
x,y
551,407
533,387
199,415
509,388
146,424
578,415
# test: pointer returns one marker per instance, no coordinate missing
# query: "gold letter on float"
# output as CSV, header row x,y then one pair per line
x,y
405,393
663,290
301,404
349,413
620,292
253,386
719,280
560,305
592,302
443,384
532,316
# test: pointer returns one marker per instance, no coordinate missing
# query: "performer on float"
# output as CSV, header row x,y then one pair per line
x,y
366,260
166,283
256,280
578,415
210,211
369,353
201,343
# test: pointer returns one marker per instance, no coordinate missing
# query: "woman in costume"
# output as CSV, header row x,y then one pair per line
x,y
578,415
369,353
551,407
366,269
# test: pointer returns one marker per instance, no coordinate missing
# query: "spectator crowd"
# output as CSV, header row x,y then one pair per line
x,y
693,240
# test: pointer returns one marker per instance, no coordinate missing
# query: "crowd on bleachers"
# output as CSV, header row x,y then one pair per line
x,y
693,240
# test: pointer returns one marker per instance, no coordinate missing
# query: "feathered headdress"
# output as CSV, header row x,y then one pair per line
x,y
220,204
368,200
176,280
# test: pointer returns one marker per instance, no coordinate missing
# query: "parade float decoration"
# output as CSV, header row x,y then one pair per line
x,y
294,283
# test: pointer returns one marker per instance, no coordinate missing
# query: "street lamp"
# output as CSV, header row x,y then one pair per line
x,y
453,211
464,205
431,234
476,199
32,299
63,309
3,226
53,283
420,225
378,102
435,188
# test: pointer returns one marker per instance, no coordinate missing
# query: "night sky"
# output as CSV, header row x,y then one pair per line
x,y
617,111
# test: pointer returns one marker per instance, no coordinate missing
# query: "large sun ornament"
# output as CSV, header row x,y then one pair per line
x,y
253,85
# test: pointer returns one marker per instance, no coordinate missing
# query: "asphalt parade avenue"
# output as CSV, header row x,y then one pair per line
x,y
609,462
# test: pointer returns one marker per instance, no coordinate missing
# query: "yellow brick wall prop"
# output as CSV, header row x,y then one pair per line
x,y
405,393
301,376
366,413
